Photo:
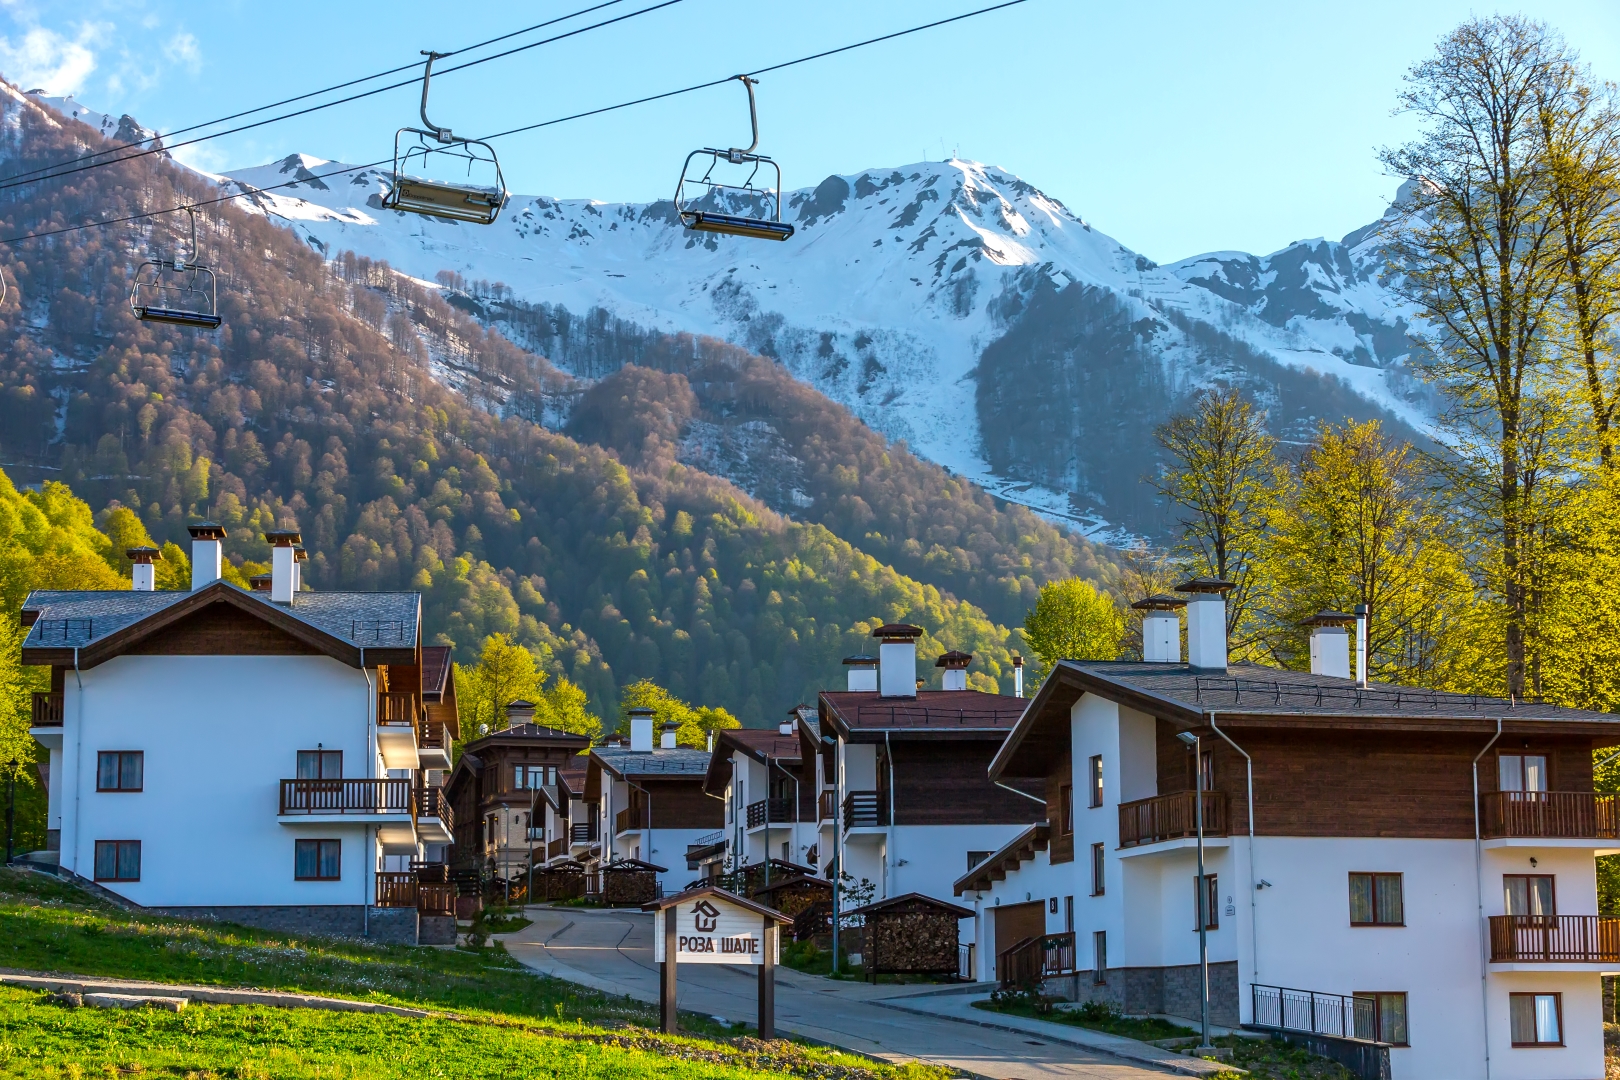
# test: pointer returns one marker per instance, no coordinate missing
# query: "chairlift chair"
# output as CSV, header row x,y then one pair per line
x,y
760,228
416,149
179,292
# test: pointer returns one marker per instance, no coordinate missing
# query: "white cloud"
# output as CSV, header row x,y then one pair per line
x,y
182,49
49,60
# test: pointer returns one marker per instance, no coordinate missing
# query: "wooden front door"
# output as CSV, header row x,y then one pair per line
x,y
1015,922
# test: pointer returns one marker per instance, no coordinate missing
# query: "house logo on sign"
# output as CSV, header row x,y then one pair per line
x,y
705,917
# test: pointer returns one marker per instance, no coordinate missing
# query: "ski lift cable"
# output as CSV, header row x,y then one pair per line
x,y
7,241
42,173
23,178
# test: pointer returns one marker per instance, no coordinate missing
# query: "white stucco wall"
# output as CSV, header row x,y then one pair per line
x,y
218,734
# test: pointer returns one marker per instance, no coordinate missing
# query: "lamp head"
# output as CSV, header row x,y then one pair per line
x,y
1187,737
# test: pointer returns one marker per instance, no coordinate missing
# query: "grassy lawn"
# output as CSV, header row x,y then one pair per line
x,y
516,1023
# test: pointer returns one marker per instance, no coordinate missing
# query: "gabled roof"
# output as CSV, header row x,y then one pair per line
x,y
710,890
932,713
681,762
437,666
1011,854
765,746
93,626
1252,695
573,772
912,901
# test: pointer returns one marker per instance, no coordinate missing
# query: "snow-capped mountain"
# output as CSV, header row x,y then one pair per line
x,y
894,287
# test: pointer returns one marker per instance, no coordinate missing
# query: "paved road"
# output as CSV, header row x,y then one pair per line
x,y
612,951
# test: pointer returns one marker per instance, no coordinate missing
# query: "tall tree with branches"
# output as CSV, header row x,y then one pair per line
x,y
1474,246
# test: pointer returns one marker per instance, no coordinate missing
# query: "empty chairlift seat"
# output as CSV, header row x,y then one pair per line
x,y
423,156
720,200
179,292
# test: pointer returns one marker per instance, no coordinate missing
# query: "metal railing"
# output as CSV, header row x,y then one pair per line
x,y
347,797
1340,1015
1170,817
864,809
775,810
1554,939
1035,958
964,962
1571,815
47,709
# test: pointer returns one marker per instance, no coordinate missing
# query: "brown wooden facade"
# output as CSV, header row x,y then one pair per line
x,y
484,781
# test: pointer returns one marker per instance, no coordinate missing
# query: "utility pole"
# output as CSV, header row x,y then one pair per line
x,y
11,805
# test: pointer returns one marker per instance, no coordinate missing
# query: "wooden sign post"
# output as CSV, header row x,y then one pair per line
x,y
711,926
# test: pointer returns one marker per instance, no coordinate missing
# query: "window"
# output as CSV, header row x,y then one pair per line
x,y
1528,894
531,777
1381,1017
1375,900
317,860
1097,862
1206,771
320,764
118,860
1068,914
1065,810
1522,772
977,857
1096,781
1536,1019
120,770
1204,903
1099,956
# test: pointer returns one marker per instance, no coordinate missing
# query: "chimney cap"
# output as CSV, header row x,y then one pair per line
x,y
954,660
206,530
283,537
1206,585
897,632
670,725
1329,618
641,710
299,554
861,660
259,582
143,554
1018,661
1161,602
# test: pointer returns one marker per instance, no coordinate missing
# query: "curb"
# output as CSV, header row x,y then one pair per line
x,y
205,994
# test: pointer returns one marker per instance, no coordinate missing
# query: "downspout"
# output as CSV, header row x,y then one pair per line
x,y
649,830
78,763
1479,897
888,843
1254,915
371,763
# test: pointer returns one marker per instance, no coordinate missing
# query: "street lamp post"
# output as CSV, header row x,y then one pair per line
x,y
11,805
1201,889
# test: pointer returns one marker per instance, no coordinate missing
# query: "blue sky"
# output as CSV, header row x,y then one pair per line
x,y
1177,128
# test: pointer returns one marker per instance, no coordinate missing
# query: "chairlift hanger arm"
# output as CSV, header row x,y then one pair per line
x,y
735,154
441,133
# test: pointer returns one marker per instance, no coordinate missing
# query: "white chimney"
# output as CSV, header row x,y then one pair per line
x,y
300,557
1330,643
207,553
144,575
1018,676
791,724
1161,628
283,564
1206,623
897,659
641,730
666,740
519,713
863,673
955,665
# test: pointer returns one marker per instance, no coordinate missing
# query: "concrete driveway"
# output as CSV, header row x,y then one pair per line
x,y
612,951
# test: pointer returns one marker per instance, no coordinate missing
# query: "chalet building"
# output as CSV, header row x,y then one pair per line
x,y
584,840
768,795
504,791
251,756
1417,868
649,800
903,792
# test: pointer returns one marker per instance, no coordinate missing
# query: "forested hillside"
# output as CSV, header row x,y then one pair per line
x,y
317,403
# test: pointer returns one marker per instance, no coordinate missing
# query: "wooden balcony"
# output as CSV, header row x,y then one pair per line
x,y
397,730
632,817
47,709
1549,815
826,802
583,832
864,810
557,848
1554,939
1034,958
1171,817
358,798
433,744
405,889
435,820
769,810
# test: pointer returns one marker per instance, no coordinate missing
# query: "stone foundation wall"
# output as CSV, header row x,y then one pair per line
x,y
1173,991
393,925
326,920
436,930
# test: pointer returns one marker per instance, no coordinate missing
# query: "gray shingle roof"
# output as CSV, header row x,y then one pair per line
x,y
681,761
83,617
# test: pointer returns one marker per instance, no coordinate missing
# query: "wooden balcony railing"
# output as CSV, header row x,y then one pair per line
x,y
435,899
1034,958
1554,939
1574,815
396,709
396,888
825,804
47,709
632,817
583,832
1169,817
557,848
433,735
432,803
863,809
347,797
769,809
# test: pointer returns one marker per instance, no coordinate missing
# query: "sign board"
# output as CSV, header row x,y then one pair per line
x,y
711,930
